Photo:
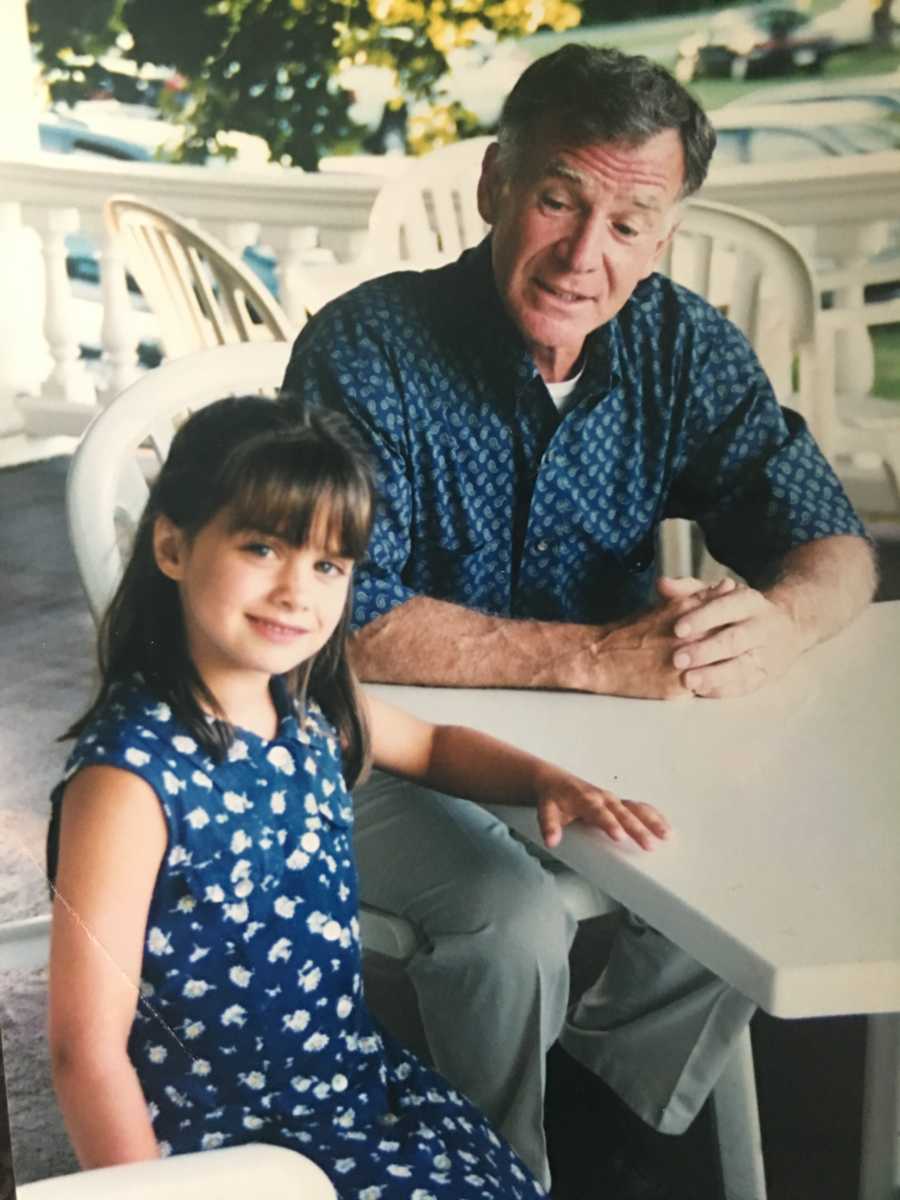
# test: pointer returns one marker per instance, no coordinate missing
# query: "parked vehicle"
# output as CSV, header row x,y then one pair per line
x,y
752,43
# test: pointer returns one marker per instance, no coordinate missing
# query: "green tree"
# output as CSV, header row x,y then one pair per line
x,y
266,67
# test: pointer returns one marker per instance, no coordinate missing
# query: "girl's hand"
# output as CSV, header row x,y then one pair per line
x,y
564,798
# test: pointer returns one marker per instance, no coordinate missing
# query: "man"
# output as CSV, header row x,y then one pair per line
x,y
535,410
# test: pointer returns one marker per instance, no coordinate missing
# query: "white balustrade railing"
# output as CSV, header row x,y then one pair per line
x,y
843,211
48,198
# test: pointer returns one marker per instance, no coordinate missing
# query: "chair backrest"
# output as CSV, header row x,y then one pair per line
x,y
751,270
125,444
201,293
431,208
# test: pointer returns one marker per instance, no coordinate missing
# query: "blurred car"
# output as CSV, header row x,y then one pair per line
x,y
758,133
479,77
752,43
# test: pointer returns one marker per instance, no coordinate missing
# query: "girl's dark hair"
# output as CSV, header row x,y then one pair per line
x,y
597,94
278,467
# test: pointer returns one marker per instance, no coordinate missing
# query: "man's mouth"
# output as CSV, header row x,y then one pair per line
x,y
563,295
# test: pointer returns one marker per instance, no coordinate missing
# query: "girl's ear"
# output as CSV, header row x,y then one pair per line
x,y
169,547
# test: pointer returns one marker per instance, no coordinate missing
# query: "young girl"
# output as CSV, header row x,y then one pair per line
x,y
201,843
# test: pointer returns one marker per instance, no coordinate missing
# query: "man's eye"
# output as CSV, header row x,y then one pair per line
x,y
554,203
626,230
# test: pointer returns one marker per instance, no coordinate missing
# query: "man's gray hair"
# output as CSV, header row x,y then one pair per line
x,y
597,94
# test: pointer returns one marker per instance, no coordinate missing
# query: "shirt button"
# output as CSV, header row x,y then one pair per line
x,y
542,546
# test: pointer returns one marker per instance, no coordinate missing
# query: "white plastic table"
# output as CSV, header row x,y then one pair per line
x,y
783,874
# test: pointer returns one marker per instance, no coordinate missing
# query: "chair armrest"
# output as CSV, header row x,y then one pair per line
x,y
25,944
229,1174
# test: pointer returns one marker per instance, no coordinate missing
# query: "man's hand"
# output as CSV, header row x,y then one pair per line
x,y
564,798
735,641
637,655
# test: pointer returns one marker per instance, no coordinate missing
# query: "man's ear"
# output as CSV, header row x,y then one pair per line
x,y
169,547
489,184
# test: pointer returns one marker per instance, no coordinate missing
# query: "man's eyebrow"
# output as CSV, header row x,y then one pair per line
x,y
562,170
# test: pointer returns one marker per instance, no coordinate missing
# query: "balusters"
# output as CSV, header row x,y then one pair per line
x,y
118,332
69,379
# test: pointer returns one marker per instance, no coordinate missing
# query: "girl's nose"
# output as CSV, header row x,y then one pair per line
x,y
292,587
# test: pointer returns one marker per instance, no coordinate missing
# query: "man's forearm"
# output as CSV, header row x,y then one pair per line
x,y
426,641
824,584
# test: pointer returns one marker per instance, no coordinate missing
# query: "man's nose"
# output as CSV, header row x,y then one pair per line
x,y
583,247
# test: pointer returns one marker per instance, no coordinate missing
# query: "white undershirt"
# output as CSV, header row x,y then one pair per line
x,y
560,392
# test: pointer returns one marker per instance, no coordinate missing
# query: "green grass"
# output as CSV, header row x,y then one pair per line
x,y
887,361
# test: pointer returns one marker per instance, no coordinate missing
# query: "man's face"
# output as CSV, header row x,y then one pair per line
x,y
574,232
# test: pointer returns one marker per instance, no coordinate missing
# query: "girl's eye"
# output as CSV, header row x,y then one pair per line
x,y
328,567
259,549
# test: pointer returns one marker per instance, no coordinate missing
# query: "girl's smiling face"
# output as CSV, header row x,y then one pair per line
x,y
251,601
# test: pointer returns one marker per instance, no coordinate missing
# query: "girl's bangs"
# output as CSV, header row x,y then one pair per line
x,y
302,493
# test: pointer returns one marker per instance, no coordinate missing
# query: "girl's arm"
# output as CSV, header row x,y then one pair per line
x,y
112,839
463,762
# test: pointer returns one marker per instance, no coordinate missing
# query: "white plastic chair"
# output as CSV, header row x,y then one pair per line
x,y
226,1174
430,209
201,293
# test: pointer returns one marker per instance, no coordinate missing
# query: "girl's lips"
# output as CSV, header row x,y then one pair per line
x,y
276,631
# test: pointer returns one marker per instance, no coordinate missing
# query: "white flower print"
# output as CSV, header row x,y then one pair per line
x,y
297,861
346,1120
178,855
137,758
399,1170
254,1079
344,1007
240,976
237,750
389,1147
200,1066
309,803
214,893
280,950
252,1122
197,953
240,841
243,888
184,744
442,1162
316,921
339,1083
276,802
327,787
300,1084
212,1141
284,907
200,779
421,1194
236,912
310,842
235,802
158,942
157,1054
321,1090
197,818
165,1149
193,1029
371,1193
316,1041
235,1014
343,1165
331,931
172,783
195,987
297,1021
161,712
281,760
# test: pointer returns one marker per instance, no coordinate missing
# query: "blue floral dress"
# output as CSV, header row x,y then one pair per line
x,y
252,1026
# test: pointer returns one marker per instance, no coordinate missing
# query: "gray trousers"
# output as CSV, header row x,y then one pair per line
x,y
492,972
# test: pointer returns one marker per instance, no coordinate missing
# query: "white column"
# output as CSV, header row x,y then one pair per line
x,y
18,129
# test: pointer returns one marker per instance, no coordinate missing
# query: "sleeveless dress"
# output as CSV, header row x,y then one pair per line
x,y
252,1025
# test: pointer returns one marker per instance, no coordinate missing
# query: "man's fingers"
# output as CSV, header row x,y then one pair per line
x,y
726,680
723,608
672,587
720,646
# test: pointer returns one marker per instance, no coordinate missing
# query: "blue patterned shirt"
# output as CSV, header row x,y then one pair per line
x,y
490,499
